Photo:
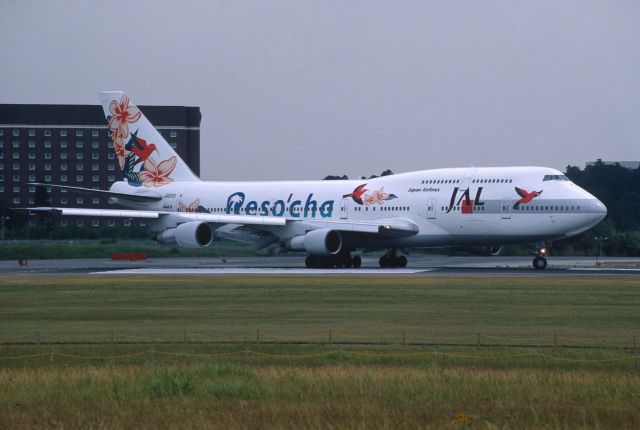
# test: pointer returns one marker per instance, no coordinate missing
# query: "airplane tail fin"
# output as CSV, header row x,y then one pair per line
x,y
144,156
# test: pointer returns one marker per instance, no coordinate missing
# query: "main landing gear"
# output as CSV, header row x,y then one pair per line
x,y
391,259
342,260
540,260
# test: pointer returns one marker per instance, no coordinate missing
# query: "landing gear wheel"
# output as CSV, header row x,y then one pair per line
x,y
402,261
356,261
539,263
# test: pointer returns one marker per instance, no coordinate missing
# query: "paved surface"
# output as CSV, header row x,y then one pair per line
x,y
427,265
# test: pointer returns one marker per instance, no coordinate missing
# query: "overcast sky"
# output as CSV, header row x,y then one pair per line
x,y
302,89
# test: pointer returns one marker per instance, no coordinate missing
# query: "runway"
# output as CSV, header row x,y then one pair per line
x,y
431,265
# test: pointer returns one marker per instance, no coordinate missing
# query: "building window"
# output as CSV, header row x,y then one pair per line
x,y
79,156
32,178
32,156
63,178
95,166
32,144
80,222
173,145
63,222
16,144
16,166
47,178
79,178
111,156
1,188
1,131
95,145
110,166
64,200
173,133
32,201
16,200
79,200
32,166
63,133
110,144
79,133
47,144
1,166
95,178
47,132
47,166
63,166
95,156
95,223
16,155
32,132
16,189
95,133
16,132
126,223
63,155
32,188
63,144
95,200
79,166
47,156
16,178
111,178
1,154
111,223
79,144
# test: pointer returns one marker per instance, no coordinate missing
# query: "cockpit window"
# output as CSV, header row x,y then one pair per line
x,y
555,178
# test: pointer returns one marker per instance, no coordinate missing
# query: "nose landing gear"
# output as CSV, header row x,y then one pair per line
x,y
540,260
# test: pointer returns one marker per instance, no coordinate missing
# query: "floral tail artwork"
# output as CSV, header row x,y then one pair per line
x,y
136,155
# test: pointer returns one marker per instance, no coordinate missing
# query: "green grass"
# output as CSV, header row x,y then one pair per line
x,y
504,383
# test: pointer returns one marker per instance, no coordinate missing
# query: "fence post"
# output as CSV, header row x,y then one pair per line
x,y
113,337
478,339
555,340
404,339
185,335
634,344
38,339
258,336
330,337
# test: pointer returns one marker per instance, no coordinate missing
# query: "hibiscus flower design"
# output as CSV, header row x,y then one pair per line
x,y
191,207
121,115
118,146
378,197
156,175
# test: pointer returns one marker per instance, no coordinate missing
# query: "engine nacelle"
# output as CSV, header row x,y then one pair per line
x,y
484,251
194,234
317,242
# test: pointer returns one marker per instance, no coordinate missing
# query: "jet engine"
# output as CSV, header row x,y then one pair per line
x,y
317,242
194,234
484,251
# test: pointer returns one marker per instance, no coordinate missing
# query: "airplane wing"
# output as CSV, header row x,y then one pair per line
x,y
187,216
389,227
143,196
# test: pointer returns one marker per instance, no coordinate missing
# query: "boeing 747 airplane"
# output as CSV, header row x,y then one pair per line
x,y
477,208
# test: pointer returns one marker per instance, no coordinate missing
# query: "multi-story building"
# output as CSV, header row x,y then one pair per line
x,y
70,145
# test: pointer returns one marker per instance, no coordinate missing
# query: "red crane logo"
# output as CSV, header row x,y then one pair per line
x,y
526,196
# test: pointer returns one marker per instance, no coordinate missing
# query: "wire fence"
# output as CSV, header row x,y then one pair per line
x,y
328,337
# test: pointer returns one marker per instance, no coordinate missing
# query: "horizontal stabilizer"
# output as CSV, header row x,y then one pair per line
x,y
138,197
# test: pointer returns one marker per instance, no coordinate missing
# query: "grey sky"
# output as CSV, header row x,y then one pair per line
x,y
298,90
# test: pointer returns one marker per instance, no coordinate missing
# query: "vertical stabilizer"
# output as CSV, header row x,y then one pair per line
x,y
144,156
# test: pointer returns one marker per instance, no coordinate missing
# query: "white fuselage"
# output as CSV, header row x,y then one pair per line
x,y
451,207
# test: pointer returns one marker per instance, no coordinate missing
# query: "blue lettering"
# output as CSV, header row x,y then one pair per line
x,y
294,210
278,211
235,201
326,210
311,205
251,208
264,207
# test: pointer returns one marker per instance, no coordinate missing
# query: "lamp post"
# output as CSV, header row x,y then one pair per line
x,y
600,239
3,218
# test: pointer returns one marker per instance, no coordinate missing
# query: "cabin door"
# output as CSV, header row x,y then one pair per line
x,y
344,209
431,208
506,209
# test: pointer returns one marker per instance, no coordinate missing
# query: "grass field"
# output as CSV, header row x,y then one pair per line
x,y
342,352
